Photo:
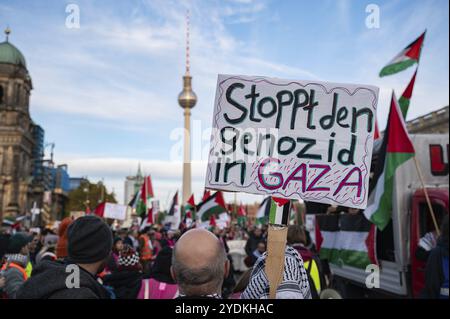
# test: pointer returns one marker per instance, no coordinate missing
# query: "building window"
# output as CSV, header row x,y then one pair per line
x,y
18,94
1,94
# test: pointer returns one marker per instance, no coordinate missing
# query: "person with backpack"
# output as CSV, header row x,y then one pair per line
x,y
14,269
296,238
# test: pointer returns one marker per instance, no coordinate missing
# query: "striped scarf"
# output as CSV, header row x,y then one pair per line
x,y
295,280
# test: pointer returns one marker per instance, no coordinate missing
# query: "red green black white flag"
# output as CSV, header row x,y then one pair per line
x,y
144,197
406,58
263,211
212,205
346,240
405,99
242,215
280,210
189,208
173,210
396,149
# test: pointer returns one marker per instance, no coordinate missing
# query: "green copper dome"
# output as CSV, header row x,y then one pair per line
x,y
10,54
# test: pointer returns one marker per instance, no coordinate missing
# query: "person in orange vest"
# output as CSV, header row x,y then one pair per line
x,y
14,269
145,250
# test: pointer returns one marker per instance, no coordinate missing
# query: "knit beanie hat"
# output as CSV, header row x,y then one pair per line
x,y
89,240
128,259
17,242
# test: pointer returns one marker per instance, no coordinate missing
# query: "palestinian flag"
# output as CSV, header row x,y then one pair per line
x,y
146,194
346,240
406,96
263,212
133,202
206,195
396,149
187,220
213,205
147,220
280,209
212,221
189,208
242,215
376,134
174,205
174,213
100,209
14,224
408,57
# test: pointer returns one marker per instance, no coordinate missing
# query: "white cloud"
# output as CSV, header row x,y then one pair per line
x,y
125,70
243,1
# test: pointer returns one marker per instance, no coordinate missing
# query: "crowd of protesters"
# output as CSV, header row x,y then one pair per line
x,y
84,258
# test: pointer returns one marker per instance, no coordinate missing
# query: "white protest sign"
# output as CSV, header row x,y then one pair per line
x,y
155,205
221,224
293,139
115,211
225,217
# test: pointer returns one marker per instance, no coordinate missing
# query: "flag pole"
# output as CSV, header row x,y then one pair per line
x,y
145,195
430,207
276,246
235,208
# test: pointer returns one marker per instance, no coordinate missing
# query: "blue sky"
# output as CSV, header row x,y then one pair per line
x,y
106,93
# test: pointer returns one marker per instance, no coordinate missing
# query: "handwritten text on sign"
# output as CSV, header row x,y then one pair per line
x,y
293,139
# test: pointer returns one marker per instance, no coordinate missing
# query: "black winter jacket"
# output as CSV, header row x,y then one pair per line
x,y
48,281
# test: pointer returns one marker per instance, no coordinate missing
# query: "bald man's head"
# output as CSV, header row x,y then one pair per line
x,y
199,263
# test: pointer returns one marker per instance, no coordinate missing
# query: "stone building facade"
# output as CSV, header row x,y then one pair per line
x,y
435,122
16,132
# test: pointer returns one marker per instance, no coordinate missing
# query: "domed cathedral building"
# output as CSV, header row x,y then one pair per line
x,y
17,142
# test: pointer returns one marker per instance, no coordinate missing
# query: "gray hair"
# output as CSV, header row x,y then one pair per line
x,y
201,280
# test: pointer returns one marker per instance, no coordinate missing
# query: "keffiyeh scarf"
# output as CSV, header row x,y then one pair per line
x,y
295,280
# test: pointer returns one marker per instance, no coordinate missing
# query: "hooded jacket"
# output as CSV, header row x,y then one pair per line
x,y
125,283
49,282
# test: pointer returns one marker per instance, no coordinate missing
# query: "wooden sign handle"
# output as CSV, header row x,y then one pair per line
x,y
274,268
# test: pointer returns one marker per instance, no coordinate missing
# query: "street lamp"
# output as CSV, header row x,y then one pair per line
x,y
86,203
102,192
